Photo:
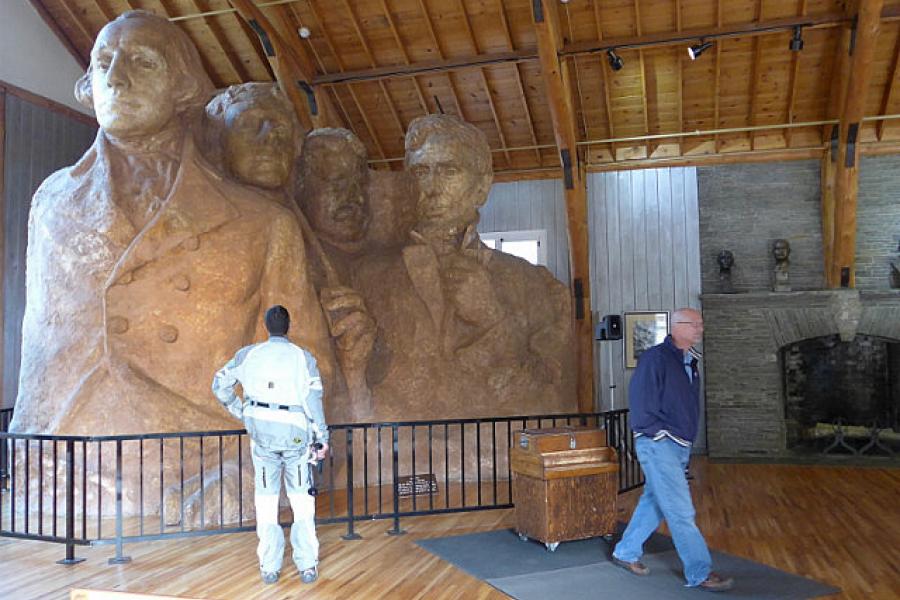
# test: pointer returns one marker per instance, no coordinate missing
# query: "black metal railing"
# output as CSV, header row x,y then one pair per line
x,y
5,418
80,490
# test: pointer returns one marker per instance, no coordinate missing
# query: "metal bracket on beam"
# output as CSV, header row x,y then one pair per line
x,y
853,34
852,131
579,298
263,37
310,97
845,277
835,137
566,157
537,7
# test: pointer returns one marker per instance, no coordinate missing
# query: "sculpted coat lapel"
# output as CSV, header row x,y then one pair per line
x,y
124,329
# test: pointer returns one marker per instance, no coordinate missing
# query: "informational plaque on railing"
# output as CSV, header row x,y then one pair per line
x,y
421,485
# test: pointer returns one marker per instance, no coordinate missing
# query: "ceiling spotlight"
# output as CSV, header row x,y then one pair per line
x,y
797,41
696,50
615,61
304,32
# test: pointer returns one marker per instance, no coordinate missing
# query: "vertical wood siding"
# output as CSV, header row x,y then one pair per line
x,y
527,205
38,142
644,240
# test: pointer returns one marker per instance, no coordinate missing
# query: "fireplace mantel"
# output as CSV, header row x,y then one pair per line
x,y
743,336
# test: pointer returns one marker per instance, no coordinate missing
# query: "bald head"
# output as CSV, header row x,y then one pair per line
x,y
687,327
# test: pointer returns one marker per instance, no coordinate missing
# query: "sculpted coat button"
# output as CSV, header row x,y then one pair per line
x,y
168,334
192,243
118,324
181,283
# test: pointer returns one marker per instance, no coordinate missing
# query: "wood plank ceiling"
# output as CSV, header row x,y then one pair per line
x,y
386,62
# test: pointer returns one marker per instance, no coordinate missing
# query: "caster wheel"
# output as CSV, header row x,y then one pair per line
x,y
552,546
608,538
523,537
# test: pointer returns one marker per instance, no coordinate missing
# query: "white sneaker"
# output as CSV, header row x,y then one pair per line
x,y
269,577
309,575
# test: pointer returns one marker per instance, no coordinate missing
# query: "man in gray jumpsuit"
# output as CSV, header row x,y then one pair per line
x,y
282,410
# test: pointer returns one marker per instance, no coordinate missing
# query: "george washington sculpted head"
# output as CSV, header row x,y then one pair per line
x,y
144,72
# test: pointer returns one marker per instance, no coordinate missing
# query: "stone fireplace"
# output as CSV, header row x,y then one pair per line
x,y
756,371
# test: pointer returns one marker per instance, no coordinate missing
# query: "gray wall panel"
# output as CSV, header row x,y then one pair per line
x,y
527,205
645,256
38,142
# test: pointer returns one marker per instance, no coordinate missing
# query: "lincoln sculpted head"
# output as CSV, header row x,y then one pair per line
x,y
144,73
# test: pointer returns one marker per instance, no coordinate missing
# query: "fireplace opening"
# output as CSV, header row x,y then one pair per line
x,y
842,397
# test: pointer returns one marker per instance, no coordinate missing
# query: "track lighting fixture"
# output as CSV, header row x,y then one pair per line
x,y
304,32
615,61
797,41
698,49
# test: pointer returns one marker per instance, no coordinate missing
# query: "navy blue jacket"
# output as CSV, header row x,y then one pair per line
x,y
661,396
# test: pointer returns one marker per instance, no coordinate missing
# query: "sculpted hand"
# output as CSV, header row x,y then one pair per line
x,y
350,324
467,285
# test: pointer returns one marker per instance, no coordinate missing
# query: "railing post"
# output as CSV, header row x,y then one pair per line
x,y
395,473
350,533
70,507
118,559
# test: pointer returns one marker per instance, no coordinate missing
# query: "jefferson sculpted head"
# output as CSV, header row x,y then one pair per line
x,y
331,185
253,133
451,161
144,72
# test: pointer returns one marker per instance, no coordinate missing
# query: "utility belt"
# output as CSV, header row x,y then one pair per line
x,y
285,407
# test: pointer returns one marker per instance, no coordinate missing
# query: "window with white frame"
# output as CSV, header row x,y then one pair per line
x,y
530,245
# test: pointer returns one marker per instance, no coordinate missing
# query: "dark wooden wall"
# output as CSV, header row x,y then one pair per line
x,y
39,139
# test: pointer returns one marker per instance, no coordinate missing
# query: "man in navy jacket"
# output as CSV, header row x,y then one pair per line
x,y
664,399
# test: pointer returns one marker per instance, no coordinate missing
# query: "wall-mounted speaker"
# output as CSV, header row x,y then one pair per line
x,y
608,328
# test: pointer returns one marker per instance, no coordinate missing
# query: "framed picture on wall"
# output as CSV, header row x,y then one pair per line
x,y
643,330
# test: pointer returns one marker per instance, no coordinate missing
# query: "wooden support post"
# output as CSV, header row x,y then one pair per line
x,y
846,178
559,93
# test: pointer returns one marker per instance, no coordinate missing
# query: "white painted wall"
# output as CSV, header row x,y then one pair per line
x,y
32,58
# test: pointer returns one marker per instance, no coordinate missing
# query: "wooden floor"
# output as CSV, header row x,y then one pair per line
x,y
840,525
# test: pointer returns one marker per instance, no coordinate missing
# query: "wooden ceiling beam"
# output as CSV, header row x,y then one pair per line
x,y
604,76
645,101
653,40
484,83
890,87
236,66
559,94
368,51
521,88
868,25
437,47
754,75
108,14
680,76
718,79
792,84
423,103
296,23
353,96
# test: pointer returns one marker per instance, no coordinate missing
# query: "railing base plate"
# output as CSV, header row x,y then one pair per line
x,y
352,536
70,561
396,532
119,560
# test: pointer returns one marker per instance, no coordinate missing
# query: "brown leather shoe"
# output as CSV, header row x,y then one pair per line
x,y
716,583
635,568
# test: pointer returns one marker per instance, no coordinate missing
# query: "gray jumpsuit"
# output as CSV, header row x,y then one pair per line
x,y
283,415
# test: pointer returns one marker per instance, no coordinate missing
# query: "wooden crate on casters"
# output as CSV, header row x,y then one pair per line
x,y
565,481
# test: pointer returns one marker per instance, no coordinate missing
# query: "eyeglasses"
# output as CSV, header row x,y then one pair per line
x,y
691,323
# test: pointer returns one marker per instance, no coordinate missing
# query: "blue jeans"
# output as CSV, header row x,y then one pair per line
x,y
666,496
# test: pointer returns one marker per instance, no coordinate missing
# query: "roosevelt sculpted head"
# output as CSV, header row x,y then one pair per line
x,y
331,185
254,128
144,73
451,161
